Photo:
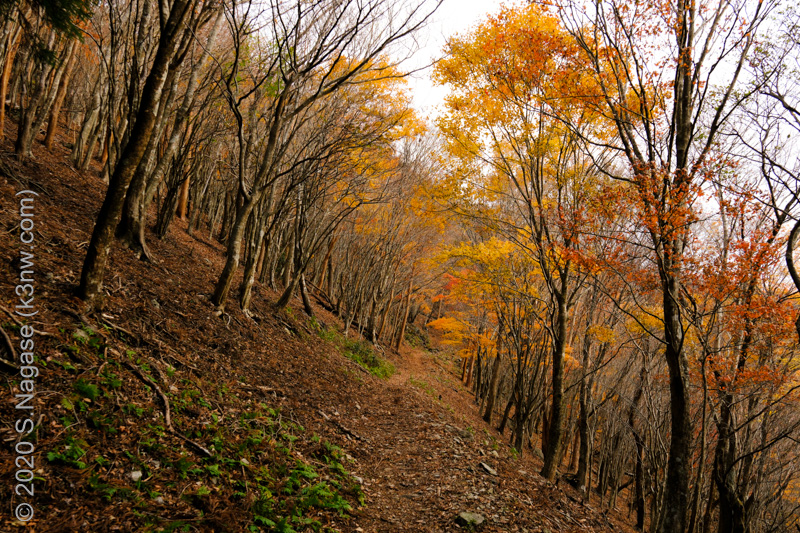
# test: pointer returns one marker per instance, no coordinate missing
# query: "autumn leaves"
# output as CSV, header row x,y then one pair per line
x,y
591,169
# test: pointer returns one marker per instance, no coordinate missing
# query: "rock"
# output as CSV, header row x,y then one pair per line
x,y
489,469
136,475
472,520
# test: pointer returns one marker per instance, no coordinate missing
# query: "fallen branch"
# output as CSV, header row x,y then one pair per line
x,y
167,410
266,391
341,428
346,431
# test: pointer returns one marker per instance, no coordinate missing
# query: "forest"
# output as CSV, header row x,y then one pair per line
x,y
598,225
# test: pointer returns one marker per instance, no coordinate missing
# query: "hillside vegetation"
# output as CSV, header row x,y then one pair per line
x,y
250,287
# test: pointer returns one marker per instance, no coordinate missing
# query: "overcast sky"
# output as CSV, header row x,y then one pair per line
x,y
453,17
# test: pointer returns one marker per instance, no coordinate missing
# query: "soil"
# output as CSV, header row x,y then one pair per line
x,y
414,441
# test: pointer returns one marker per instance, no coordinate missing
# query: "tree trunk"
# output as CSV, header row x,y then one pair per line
x,y
183,200
32,107
96,257
9,62
676,488
55,112
234,254
584,460
555,430
506,412
404,317
638,476
304,295
487,415
386,314
251,266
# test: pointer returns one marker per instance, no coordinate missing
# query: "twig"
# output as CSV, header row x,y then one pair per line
x,y
120,329
9,344
18,322
8,366
165,348
167,410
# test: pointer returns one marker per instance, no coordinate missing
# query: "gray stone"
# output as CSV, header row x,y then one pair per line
x,y
467,519
489,469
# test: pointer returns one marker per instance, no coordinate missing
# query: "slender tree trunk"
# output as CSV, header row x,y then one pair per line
x,y
639,458
183,200
555,430
251,266
676,489
487,415
7,67
304,295
55,112
506,412
584,460
404,319
234,255
96,257
386,314
470,371
32,107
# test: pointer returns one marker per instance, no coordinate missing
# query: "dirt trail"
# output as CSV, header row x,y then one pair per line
x,y
422,461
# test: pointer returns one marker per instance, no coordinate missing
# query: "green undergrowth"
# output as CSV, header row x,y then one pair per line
x,y
418,337
357,350
261,465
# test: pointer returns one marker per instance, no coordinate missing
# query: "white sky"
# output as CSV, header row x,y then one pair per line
x,y
454,16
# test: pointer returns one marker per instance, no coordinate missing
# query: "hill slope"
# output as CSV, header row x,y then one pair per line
x,y
158,415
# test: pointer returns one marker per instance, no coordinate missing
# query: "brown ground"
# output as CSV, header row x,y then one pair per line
x,y
415,439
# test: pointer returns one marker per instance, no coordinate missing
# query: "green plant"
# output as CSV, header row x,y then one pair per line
x,y
71,454
133,409
360,352
423,385
86,389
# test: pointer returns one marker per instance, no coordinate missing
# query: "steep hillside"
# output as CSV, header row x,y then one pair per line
x,y
156,414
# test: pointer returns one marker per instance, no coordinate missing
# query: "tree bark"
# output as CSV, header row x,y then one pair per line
x,y
55,112
9,62
555,429
404,319
487,415
93,272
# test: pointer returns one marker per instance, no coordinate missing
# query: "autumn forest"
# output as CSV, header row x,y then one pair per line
x,y
597,225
